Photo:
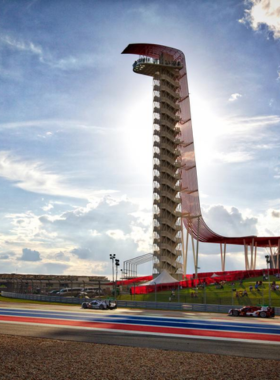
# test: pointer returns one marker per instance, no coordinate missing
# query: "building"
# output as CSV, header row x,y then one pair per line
x,y
37,283
167,228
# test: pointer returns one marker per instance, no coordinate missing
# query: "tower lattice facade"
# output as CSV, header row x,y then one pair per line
x,y
167,228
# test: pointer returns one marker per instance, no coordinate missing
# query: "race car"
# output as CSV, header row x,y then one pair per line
x,y
253,311
100,304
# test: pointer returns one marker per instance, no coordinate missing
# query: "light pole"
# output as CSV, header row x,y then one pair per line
x,y
268,262
112,257
117,262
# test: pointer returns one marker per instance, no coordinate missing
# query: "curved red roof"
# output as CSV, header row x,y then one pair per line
x,y
192,216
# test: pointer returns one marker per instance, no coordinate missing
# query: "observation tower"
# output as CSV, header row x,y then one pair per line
x,y
175,185
167,166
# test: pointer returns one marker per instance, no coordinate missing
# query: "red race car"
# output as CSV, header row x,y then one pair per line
x,y
253,311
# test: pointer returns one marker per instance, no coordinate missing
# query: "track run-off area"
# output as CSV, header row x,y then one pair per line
x,y
162,324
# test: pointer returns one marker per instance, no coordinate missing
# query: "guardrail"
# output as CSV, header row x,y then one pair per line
x,y
36,297
175,306
132,304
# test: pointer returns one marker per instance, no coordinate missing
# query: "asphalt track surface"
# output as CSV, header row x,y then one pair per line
x,y
190,332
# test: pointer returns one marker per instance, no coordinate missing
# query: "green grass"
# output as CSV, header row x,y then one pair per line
x,y
211,295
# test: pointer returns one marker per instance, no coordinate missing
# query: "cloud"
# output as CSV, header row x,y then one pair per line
x,y
76,63
247,137
98,229
89,234
268,222
34,177
57,124
234,157
44,268
232,139
275,214
29,255
20,45
48,207
212,262
117,235
239,139
31,4
148,13
24,227
82,237
96,216
277,172
82,253
263,12
53,268
230,222
7,255
47,58
4,257
60,256
243,125
234,97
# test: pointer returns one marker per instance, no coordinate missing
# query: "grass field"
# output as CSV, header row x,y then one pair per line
x,y
213,295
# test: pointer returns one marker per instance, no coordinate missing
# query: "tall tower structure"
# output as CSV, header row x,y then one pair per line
x,y
167,225
176,196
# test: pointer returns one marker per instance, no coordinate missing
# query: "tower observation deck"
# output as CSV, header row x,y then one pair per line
x,y
175,186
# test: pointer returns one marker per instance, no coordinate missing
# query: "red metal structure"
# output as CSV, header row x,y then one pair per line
x,y
191,210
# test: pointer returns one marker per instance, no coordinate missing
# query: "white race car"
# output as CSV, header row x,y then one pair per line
x,y
100,304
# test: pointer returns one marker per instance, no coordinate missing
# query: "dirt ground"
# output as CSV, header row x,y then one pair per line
x,y
35,359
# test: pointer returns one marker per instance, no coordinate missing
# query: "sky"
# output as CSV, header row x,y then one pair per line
x,y
76,128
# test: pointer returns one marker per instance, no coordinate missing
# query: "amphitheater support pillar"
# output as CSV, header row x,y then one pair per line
x,y
271,255
185,251
197,244
255,259
183,246
194,256
252,255
193,250
246,255
223,256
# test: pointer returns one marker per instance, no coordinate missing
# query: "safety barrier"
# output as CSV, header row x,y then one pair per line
x,y
45,298
181,306
132,304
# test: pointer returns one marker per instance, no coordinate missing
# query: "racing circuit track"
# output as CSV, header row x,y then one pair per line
x,y
192,332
